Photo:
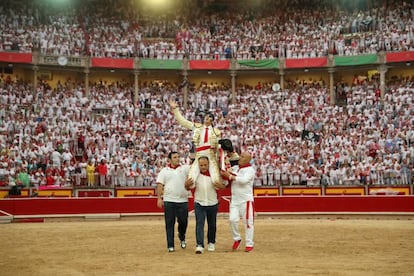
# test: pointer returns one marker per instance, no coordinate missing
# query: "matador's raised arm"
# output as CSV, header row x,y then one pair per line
x,y
180,118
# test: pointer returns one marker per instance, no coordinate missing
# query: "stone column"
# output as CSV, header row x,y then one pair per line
x,y
331,86
282,66
86,71
382,70
233,75
35,80
282,79
35,60
136,86
185,88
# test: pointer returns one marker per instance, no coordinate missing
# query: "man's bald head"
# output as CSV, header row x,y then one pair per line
x,y
245,158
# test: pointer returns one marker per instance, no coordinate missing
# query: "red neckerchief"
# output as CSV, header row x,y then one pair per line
x,y
173,167
207,173
245,166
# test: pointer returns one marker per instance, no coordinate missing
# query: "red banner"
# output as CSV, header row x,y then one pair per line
x,y
210,64
122,63
306,62
400,56
15,57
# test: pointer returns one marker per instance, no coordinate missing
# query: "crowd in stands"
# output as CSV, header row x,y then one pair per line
x,y
60,137
276,29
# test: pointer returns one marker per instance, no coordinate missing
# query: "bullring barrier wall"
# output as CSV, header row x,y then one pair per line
x,y
52,207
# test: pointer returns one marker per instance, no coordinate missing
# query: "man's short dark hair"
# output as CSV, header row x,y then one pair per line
x,y
203,157
171,153
211,115
226,145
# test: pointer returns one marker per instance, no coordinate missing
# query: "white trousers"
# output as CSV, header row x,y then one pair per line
x,y
245,211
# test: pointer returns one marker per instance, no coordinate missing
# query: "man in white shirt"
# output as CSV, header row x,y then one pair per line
x,y
205,204
242,199
174,197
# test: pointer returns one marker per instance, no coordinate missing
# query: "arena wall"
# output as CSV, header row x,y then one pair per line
x,y
20,208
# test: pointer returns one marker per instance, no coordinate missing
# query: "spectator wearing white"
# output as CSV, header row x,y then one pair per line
x,y
56,158
349,177
258,181
270,173
395,175
115,175
297,176
341,172
333,175
123,174
285,174
373,173
66,156
130,179
405,172
263,169
313,179
139,180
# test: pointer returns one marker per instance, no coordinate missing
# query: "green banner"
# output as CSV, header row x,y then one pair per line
x,y
265,63
355,60
161,64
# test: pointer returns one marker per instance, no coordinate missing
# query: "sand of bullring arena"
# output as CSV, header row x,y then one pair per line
x,y
137,246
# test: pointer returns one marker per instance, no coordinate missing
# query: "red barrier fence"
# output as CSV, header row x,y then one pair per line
x,y
66,207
